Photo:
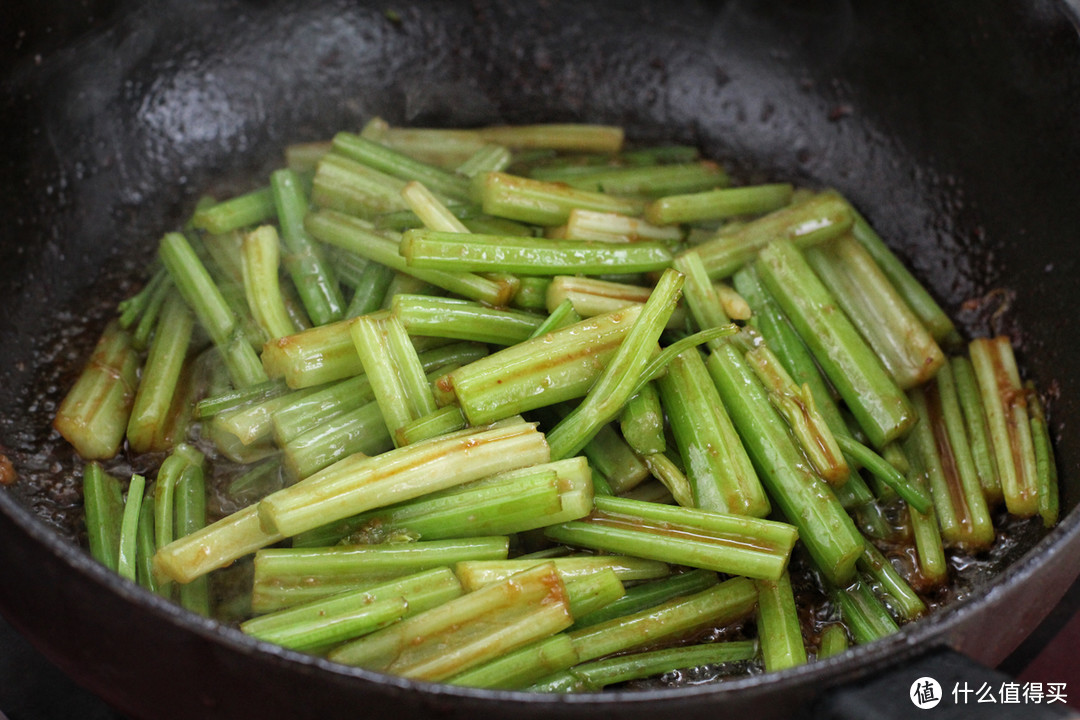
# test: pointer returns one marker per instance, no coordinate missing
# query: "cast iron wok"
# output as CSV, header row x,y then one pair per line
x,y
952,126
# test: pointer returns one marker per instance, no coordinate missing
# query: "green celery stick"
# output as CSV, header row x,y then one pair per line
x,y
645,595
864,615
393,368
104,506
544,203
286,577
779,629
253,423
734,544
592,296
133,308
718,605
915,295
169,474
400,165
438,146
213,547
1046,473
567,137
925,529
943,397
807,501
880,407
642,422
671,476
609,453
356,484
305,261
94,414
305,156
160,376
129,528
468,631
982,450
463,320
261,253
882,470
307,409
834,640
888,582
333,626
592,592
700,293
145,546
717,465
214,314
350,614
652,180
617,228
241,211
796,405
501,504
1007,418
148,322
445,420
357,236
618,381
314,356
475,574
359,431
371,289
903,344
715,204
559,366
431,212
471,252
812,220
351,187
237,398
488,158
594,676
191,516
959,503
522,667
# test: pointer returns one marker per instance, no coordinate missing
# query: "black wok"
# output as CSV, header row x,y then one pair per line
x,y
952,125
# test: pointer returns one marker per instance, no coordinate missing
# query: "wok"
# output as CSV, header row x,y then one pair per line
x,y
953,126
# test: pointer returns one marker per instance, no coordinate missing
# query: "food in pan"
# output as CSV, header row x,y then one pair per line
x,y
529,408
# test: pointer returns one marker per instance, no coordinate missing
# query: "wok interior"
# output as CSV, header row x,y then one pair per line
x,y
948,126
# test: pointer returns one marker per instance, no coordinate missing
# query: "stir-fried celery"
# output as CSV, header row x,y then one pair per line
x,y
523,408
